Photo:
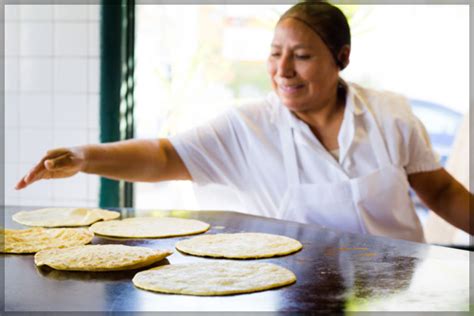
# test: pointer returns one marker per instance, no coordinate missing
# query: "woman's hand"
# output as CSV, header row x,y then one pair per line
x,y
57,163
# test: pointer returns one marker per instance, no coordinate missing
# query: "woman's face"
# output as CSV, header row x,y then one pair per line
x,y
302,70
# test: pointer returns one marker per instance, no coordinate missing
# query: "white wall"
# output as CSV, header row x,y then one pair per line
x,y
51,96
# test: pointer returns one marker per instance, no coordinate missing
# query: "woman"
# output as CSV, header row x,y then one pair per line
x,y
318,150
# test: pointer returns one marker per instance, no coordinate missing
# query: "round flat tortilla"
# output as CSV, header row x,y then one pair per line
x,y
99,258
239,246
36,239
63,217
214,278
150,227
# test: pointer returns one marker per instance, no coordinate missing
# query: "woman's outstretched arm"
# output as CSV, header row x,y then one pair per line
x,y
147,160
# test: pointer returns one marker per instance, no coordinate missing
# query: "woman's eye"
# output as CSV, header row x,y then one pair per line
x,y
302,56
275,54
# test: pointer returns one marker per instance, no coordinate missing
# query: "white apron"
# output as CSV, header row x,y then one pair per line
x,y
377,203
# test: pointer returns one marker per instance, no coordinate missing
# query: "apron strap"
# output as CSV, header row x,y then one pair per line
x,y
289,154
378,143
375,135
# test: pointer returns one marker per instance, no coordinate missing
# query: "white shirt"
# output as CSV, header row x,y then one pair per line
x,y
241,149
335,153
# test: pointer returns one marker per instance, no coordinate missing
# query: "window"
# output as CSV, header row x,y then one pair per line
x,y
194,61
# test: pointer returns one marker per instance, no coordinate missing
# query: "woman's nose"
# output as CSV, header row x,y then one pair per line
x,y
286,67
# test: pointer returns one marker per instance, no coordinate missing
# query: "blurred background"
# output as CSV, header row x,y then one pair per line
x,y
191,62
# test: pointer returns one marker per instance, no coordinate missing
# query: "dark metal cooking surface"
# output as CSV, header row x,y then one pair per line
x,y
335,271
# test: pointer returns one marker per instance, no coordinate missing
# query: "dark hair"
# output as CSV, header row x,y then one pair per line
x,y
327,21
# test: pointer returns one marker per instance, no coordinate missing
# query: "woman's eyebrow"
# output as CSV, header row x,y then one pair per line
x,y
297,46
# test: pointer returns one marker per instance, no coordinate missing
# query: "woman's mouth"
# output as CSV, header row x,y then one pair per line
x,y
291,89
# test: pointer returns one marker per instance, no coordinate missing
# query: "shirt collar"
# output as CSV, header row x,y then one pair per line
x,y
354,102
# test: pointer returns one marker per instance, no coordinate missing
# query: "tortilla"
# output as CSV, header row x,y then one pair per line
x,y
62,217
35,239
214,278
149,227
99,258
239,246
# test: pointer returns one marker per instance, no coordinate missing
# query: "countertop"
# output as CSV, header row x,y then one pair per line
x,y
335,272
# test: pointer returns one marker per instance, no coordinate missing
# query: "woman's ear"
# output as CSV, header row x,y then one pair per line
x,y
343,56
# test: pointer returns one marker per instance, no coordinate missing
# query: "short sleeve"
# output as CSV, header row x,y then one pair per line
x,y
212,152
420,154
406,137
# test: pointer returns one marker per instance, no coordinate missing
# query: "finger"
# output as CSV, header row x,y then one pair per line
x,y
21,184
60,162
28,179
57,152
34,171
31,174
37,172
33,177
